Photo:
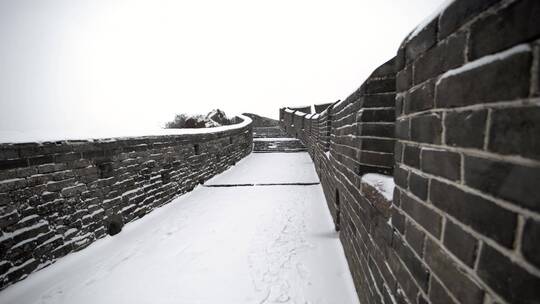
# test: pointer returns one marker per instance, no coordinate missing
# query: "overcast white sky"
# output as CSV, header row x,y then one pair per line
x,y
109,64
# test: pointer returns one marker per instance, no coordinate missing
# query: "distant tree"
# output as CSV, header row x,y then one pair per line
x,y
215,118
178,122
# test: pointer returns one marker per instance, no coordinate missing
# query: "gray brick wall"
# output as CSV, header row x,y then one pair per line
x,y
59,197
464,222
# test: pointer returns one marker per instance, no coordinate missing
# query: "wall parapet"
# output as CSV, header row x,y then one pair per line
x,y
59,197
464,221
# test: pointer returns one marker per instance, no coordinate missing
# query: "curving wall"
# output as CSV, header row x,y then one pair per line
x,y
463,223
59,197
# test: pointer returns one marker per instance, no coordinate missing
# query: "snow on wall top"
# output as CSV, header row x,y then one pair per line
x,y
521,48
383,183
90,135
428,20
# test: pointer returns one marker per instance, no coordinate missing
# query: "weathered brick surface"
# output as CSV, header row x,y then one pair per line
x,y
464,222
58,197
479,155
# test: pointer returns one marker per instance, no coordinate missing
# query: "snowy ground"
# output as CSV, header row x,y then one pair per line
x,y
268,244
270,168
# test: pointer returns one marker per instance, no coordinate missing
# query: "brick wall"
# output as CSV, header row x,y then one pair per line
x,y
59,197
464,222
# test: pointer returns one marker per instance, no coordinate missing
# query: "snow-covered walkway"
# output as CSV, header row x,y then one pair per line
x,y
250,244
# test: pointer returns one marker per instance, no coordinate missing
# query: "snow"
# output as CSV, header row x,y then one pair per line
x,y
270,168
327,153
486,60
383,183
335,105
89,134
289,110
276,139
428,19
271,244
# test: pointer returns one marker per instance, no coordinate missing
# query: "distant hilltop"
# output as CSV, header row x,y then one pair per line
x,y
261,121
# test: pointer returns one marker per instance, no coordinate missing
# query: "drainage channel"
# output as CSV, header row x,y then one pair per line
x,y
262,184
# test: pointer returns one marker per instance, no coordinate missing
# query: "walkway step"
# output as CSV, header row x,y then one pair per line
x,y
269,132
278,145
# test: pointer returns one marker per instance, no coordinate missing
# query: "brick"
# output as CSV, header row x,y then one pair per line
x,y
504,79
404,79
475,211
381,85
377,144
512,182
376,129
460,12
42,159
427,128
67,157
418,270
48,168
376,158
8,219
398,220
399,105
401,177
400,58
441,163
370,115
437,294
415,237
411,156
515,131
398,152
403,129
4,199
406,281
378,100
31,232
464,289
465,129
387,69
12,184
29,149
24,269
13,163
515,24
425,217
460,243
418,186
447,55
8,152
420,98
74,190
424,40
58,186
529,243
508,279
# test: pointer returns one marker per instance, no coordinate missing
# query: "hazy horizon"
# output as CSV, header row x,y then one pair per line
x,y
135,64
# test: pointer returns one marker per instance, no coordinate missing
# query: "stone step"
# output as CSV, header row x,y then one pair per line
x,y
278,145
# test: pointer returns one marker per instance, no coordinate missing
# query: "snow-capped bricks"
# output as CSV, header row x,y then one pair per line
x,y
464,222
